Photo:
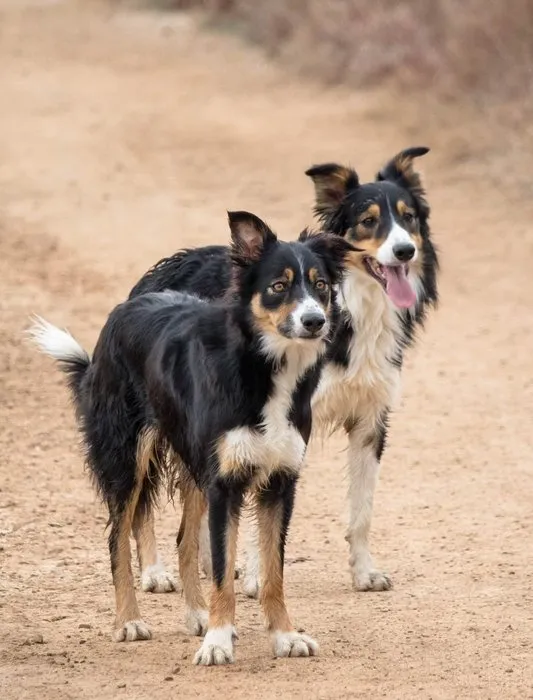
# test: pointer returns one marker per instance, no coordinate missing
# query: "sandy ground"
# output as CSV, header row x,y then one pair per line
x,y
126,136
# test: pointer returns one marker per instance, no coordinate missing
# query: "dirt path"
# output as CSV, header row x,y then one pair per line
x,y
125,136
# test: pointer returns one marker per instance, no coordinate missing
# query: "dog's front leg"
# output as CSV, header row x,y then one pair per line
x,y
274,505
366,444
225,501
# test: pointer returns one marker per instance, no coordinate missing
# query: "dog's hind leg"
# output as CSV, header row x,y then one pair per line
x,y
225,502
123,502
194,509
155,578
366,444
129,626
274,505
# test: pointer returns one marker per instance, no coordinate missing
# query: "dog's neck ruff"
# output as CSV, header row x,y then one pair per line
x,y
294,355
367,384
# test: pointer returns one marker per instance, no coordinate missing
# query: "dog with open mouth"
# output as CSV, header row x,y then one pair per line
x,y
385,296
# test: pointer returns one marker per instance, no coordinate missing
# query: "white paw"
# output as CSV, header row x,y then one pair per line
x,y
370,580
293,644
217,647
133,631
250,585
196,622
156,579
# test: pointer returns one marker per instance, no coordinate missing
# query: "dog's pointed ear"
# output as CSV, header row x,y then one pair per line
x,y
249,237
401,171
332,183
332,248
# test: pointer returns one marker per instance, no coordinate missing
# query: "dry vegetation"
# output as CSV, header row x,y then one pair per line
x,y
482,49
459,67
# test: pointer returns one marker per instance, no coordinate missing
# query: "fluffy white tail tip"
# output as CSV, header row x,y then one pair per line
x,y
56,343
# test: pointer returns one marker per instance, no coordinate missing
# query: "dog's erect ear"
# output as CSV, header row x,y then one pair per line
x,y
332,183
249,237
333,249
401,171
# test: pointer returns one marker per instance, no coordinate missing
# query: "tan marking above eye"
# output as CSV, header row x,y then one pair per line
x,y
372,212
402,208
313,274
281,283
289,274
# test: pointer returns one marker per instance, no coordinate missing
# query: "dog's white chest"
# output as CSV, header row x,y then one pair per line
x,y
369,384
278,445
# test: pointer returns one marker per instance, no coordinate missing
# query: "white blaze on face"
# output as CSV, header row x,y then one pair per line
x,y
306,307
398,287
397,236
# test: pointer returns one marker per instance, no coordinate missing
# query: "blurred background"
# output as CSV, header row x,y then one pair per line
x,y
466,64
127,130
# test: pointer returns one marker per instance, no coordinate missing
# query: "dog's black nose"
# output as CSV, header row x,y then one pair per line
x,y
313,322
404,251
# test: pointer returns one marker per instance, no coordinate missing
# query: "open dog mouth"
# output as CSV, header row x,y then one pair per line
x,y
394,280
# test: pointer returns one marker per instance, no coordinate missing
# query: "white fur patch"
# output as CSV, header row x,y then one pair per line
x,y
56,343
308,305
397,235
196,621
279,444
370,383
156,579
217,647
250,583
204,546
133,631
293,644
363,471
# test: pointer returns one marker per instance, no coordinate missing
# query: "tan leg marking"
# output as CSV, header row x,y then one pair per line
x,y
285,640
128,624
222,603
272,596
194,507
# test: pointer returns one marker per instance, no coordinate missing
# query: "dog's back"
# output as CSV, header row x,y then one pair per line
x,y
203,271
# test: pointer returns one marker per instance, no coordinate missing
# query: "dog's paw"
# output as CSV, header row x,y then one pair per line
x,y
196,622
133,631
250,585
156,579
370,580
293,644
217,647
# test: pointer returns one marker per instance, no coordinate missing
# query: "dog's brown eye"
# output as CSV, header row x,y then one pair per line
x,y
321,285
369,222
408,217
278,287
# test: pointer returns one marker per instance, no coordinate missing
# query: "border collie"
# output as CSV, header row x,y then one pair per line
x,y
218,397
384,297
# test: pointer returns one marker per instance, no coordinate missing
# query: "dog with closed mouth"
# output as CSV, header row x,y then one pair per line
x,y
216,395
384,296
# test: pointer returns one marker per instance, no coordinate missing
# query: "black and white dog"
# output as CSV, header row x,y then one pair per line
x,y
218,397
384,298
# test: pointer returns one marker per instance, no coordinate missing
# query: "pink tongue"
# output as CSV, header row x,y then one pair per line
x,y
398,287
